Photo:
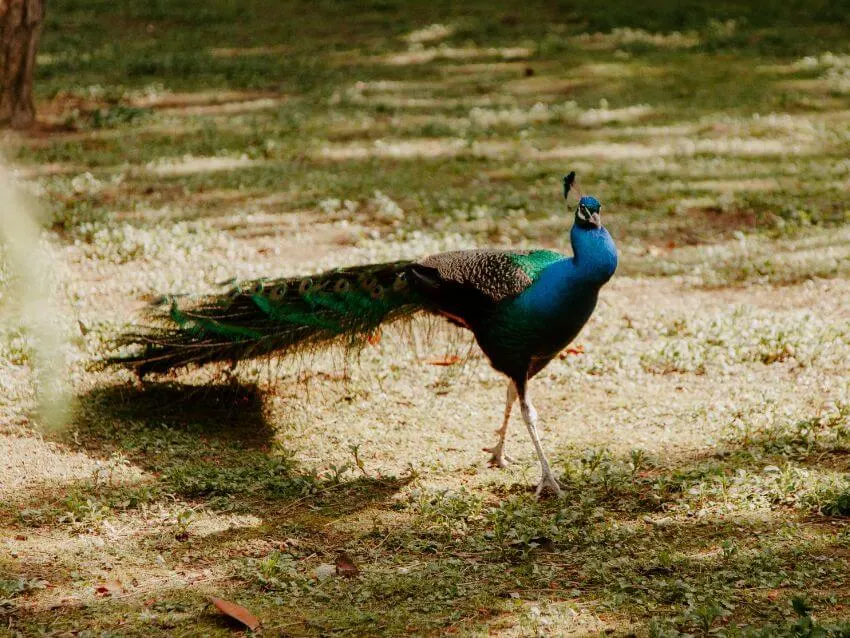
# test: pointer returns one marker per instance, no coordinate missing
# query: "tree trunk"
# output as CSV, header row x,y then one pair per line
x,y
20,30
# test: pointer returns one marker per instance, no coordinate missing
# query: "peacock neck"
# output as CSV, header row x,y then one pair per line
x,y
594,254
568,284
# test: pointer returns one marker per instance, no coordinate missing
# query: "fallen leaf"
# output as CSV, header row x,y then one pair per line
x,y
345,566
572,350
109,588
236,612
449,360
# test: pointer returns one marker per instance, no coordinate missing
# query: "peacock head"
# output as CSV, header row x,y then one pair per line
x,y
587,213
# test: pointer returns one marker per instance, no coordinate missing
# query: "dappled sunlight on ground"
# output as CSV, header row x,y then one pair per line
x,y
189,164
425,55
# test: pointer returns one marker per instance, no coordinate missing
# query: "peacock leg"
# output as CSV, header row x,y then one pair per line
x,y
499,458
547,480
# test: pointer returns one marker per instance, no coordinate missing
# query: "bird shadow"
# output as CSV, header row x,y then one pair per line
x,y
213,443
230,412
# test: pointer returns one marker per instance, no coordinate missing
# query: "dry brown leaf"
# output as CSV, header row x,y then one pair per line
x,y
236,612
110,588
574,350
345,565
449,360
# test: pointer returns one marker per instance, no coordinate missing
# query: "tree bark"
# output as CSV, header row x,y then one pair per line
x,y
20,29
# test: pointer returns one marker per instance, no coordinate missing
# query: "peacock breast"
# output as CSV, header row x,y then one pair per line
x,y
541,324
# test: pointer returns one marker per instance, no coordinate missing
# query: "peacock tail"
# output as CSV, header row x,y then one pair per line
x,y
474,289
344,305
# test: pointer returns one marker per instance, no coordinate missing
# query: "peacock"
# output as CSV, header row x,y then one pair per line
x,y
522,306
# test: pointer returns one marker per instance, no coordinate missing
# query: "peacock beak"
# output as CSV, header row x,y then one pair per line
x,y
587,218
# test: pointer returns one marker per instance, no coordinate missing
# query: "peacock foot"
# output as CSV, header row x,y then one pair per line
x,y
499,458
549,483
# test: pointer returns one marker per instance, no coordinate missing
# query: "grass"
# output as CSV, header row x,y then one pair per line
x,y
701,431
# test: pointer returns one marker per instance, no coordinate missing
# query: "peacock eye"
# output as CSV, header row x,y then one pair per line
x,y
278,292
341,286
377,292
305,286
257,288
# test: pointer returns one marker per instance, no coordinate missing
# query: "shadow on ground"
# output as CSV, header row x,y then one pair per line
x,y
226,411
210,446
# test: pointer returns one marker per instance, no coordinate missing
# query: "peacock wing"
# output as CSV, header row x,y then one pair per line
x,y
467,284
495,274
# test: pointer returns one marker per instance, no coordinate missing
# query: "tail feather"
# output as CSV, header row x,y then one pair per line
x,y
278,316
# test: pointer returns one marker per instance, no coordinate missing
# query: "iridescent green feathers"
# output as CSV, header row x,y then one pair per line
x,y
345,306
534,261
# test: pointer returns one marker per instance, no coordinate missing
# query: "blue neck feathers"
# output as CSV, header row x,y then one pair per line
x,y
574,283
594,254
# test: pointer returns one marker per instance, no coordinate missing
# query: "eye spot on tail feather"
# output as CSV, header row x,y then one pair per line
x,y
342,286
278,292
